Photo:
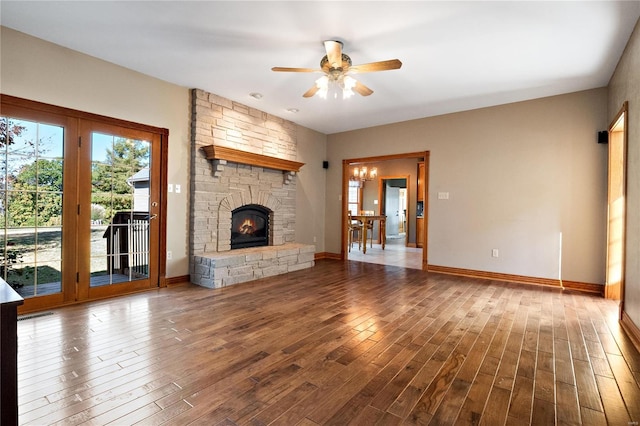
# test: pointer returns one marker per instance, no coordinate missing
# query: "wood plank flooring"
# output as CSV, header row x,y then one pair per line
x,y
341,343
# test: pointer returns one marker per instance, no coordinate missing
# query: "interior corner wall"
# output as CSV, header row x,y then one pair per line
x,y
311,188
519,177
625,86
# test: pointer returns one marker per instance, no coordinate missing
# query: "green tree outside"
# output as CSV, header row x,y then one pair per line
x,y
109,177
35,196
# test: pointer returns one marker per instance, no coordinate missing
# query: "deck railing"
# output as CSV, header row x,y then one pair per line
x,y
128,244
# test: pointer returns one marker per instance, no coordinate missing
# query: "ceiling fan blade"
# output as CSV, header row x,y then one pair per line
x,y
361,89
391,64
334,53
285,69
309,93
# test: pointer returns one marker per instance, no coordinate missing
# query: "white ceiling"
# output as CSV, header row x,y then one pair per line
x,y
456,55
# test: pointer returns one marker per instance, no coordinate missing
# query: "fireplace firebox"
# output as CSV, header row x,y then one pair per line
x,y
249,227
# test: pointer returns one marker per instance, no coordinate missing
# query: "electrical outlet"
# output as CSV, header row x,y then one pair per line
x,y
495,253
169,255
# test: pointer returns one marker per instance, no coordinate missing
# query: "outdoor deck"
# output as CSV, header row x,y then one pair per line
x,y
56,287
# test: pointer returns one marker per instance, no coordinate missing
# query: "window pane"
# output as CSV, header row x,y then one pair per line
x,y
49,244
22,136
50,141
31,207
49,175
21,209
353,195
49,209
3,170
119,209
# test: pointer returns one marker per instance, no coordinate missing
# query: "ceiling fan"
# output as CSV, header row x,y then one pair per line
x,y
338,69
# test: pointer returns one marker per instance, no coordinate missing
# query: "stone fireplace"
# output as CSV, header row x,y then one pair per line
x,y
243,165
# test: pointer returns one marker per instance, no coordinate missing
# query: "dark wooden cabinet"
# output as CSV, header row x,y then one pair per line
x,y
9,302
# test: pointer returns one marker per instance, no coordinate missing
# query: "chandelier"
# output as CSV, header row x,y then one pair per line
x,y
363,173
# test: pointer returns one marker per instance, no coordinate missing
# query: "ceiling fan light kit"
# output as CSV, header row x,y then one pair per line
x,y
337,67
345,83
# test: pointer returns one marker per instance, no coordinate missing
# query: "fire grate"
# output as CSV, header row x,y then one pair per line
x,y
249,227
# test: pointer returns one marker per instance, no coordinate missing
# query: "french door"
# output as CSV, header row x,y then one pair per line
x,y
118,208
80,206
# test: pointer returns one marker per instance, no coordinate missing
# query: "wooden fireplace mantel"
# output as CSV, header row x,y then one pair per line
x,y
214,152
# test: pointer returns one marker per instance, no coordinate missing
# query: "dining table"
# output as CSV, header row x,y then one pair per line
x,y
370,219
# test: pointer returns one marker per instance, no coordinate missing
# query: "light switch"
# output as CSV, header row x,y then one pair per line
x,y
170,187
443,195
177,189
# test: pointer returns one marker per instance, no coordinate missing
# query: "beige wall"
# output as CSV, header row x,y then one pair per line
x,y
41,71
518,176
311,188
625,86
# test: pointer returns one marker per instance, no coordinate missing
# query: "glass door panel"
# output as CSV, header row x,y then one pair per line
x,y
120,209
31,187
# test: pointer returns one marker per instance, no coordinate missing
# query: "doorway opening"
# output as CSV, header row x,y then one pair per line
x,y
394,210
393,194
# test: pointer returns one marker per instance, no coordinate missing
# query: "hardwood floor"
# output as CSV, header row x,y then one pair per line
x,y
340,343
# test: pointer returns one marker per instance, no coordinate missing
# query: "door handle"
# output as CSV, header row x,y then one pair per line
x,y
154,216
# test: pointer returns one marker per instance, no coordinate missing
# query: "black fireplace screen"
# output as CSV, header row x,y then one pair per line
x,y
249,227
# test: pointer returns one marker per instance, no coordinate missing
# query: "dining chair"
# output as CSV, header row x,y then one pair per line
x,y
369,225
355,228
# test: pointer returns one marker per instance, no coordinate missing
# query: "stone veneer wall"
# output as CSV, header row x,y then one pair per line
x,y
218,187
220,121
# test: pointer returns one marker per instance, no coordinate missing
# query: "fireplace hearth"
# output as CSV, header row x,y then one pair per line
x,y
249,227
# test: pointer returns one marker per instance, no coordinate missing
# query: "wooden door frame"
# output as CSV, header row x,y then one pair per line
x,y
347,163
84,289
33,110
382,196
616,290
26,111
